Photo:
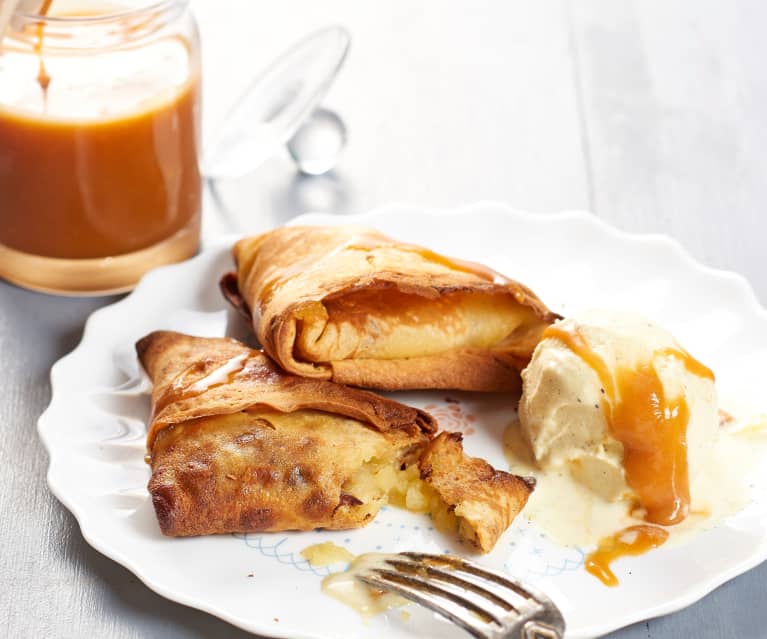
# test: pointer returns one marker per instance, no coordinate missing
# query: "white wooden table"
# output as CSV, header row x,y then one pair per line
x,y
652,114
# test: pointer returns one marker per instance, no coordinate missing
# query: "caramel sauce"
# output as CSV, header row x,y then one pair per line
x,y
651,426
361,243
43,79
653,431
632,541
77,187
367,244
690,363
572,338
455,264
404,309
95,189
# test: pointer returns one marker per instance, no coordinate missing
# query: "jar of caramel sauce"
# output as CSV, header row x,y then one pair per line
x,y
99,141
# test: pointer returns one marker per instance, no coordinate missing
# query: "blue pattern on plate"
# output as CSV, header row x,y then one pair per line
x,y
263,544
532,555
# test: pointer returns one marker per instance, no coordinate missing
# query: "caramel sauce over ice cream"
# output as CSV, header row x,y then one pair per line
x,y
622,423
651,425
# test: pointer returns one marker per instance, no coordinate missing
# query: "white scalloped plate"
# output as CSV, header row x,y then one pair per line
x,y
94,431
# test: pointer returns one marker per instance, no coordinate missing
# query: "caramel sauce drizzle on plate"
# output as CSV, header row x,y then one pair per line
x,y
634,540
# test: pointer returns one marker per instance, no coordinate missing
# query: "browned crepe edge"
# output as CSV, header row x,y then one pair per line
x,y
287,392
465,369
200,487
459,479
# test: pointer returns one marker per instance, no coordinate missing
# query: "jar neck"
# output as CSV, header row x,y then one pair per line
x,y
96,24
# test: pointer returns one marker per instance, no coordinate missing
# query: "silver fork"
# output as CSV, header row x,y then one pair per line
x,y
485,603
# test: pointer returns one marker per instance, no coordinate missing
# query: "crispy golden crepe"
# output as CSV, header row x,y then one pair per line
x,y
353,306
483,501
237,445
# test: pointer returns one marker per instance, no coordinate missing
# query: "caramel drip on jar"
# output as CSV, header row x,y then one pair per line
x,y
43,79
631,541
651,426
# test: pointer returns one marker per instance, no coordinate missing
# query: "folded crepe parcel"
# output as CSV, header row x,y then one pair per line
x,y
351,305
237,445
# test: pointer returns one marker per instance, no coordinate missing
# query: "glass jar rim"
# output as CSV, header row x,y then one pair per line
x,y
102,31
155,6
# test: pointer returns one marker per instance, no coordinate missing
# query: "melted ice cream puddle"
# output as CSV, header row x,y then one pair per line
x,y
349,590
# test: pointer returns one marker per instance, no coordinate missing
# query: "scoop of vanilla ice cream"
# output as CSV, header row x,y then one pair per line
x,y
560,410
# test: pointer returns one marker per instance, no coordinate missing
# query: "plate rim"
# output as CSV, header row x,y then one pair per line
x,y
217,244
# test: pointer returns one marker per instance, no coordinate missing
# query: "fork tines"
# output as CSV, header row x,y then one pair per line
x,y
486,603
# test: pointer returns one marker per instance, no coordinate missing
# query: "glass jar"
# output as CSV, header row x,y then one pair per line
x,y
99,141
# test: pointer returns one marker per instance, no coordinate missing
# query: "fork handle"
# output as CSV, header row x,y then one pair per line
x,y
539,630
